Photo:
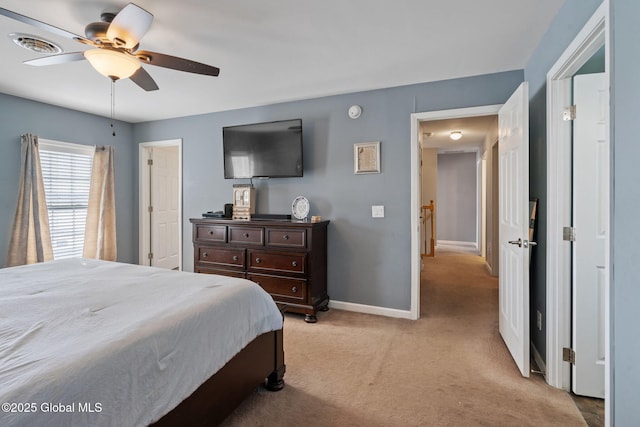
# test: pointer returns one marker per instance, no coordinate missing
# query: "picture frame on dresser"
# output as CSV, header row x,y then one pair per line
x,y
288,259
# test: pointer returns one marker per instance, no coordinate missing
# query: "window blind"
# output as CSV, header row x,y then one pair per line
x,y
66,172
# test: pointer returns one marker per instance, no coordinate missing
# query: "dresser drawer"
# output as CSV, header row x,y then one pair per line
x,y
286,238
246,235
221,272
281,287
220,256
277,261
211,233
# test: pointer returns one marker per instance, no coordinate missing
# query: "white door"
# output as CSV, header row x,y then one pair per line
x,y
513,155
165,204
590,220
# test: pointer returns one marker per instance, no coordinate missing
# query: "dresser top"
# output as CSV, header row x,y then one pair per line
x,y
259,222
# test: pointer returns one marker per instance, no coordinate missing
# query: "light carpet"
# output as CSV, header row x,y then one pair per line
x,y
450,368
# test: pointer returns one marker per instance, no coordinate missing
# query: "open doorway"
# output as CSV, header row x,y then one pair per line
x,y
455,175
514,217
160,208
564,304
431,133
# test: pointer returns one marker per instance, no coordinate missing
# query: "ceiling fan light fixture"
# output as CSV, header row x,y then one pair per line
x,y
113,64
456,135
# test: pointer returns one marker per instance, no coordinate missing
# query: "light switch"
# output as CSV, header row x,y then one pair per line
x,y
377,211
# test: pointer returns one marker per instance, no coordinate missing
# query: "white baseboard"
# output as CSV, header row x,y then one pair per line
x,y
538,358
370,309
456,243
488,267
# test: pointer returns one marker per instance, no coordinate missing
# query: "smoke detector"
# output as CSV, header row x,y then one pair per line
x,y
35,44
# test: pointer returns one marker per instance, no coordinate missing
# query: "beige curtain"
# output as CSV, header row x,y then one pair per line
x,y
100,231
30,240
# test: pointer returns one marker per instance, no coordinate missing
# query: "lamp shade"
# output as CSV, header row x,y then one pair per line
x,y
111,63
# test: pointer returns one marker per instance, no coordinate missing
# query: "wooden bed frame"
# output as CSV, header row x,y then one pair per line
x,y
260,362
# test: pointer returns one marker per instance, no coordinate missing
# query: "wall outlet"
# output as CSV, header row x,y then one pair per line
x,y
377,211
539,320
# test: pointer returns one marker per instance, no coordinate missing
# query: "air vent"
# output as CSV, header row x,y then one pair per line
x,y
35,44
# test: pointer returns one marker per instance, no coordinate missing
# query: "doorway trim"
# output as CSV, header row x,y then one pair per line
x,y
558,312
143,198
416,118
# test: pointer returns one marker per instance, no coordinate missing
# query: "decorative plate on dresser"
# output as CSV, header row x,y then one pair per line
x,y
300,208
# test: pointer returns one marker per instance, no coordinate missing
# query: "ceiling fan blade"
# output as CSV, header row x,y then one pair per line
x,y
175,63
44,26
62,58
129,25
144,80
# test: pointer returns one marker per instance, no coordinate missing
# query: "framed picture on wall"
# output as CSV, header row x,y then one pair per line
x,y
366,157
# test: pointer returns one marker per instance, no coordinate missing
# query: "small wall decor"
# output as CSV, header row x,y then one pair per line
x,y
366,157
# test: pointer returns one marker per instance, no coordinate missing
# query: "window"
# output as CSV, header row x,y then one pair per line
x,y
66,172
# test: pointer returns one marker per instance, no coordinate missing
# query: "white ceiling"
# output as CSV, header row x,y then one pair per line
x,y
437,133
276,51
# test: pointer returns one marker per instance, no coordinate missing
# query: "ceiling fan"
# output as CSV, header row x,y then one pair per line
x,y
115,41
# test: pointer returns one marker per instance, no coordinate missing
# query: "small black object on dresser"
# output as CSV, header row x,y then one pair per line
x,y
287,258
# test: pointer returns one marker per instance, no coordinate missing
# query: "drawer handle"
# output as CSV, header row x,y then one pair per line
x,y
246,235
294,263
285,237
235,257
204,254
294,289
258,260
211,232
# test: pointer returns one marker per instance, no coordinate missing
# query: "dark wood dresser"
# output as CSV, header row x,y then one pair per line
x,y
287,258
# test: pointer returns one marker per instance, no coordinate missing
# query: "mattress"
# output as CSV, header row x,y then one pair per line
x,y
88,342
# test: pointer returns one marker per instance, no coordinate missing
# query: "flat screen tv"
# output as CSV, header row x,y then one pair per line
x,y
263,150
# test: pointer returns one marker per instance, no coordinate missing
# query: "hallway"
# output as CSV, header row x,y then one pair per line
x,y
456,283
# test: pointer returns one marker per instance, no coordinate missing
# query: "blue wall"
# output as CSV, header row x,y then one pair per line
x,y
369,259
457,190
566,25
19,116
625,101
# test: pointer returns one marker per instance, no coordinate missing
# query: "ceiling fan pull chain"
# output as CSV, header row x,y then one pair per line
x,y
113,104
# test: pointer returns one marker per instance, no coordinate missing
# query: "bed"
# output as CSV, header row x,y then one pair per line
x,y
88,342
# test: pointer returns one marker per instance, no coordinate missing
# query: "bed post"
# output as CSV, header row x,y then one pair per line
x,y
275,380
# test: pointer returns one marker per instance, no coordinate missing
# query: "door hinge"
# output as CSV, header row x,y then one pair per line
x,y
569,113
569,355
150,209
150,162
569,234
150,255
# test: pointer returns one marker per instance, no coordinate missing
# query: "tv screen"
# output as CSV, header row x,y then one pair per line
x,y
263,150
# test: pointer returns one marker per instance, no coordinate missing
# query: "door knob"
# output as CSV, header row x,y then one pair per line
x,y
522,243
516,242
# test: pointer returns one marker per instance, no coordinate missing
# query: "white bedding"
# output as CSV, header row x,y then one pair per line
x,y
126,342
